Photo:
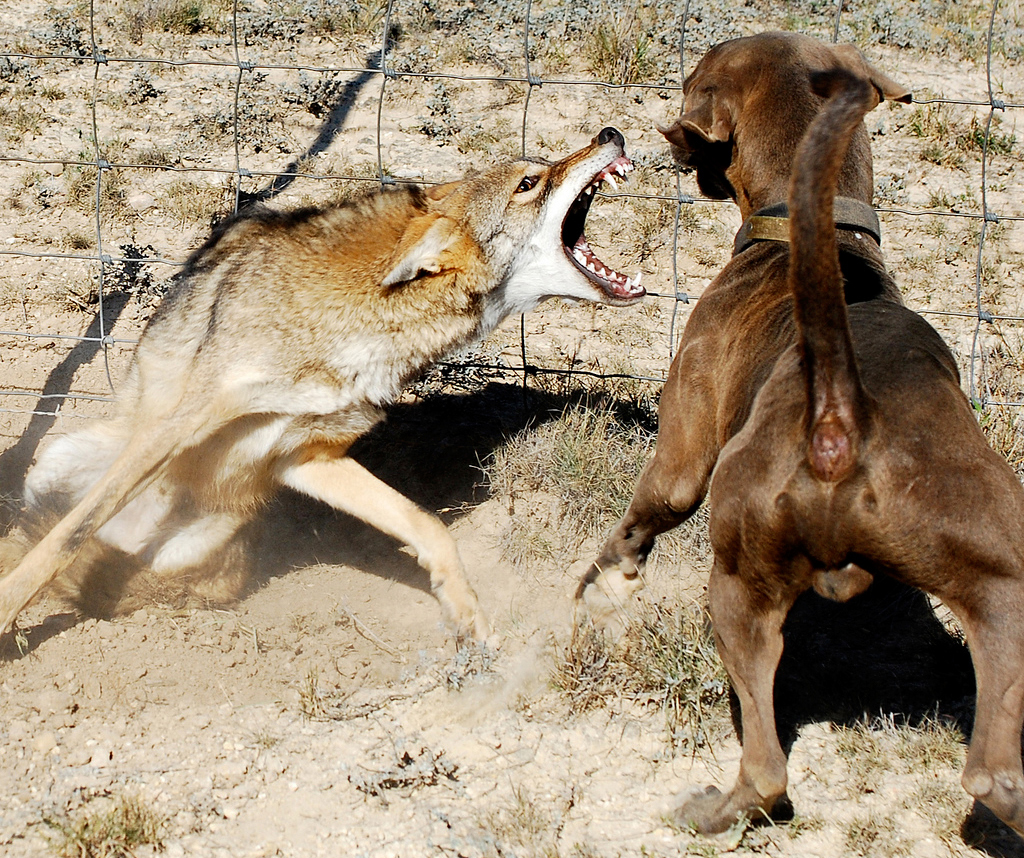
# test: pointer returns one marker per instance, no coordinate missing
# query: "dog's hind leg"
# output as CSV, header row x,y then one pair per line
x,y
748,633
993,773
959,539
347,486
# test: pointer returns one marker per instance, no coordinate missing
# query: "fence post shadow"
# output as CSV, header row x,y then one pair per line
x,y
337,113
16,460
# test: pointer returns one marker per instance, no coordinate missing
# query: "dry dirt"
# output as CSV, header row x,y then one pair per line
x,y
328,713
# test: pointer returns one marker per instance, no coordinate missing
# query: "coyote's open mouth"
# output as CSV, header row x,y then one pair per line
x,y
616,286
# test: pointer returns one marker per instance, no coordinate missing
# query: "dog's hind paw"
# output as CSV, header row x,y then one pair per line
x,y
707,810
1002,793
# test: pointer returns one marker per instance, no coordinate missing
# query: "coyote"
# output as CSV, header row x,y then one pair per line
x,y
279,344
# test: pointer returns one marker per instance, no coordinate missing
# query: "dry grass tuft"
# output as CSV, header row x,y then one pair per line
x,y
114,828
583,466
875,835
571,478
346,17
19,120
528,824
666,657
944,803
872,749
1002,371
1004,429
183,17
948,139
313,702
190,203
619,48
87,187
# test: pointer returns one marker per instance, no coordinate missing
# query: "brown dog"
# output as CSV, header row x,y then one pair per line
x,y
841,444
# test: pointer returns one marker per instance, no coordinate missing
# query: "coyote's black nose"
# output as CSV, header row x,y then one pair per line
x,y
611,135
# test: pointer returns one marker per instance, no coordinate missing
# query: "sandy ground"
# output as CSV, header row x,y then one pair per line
x,y
203,713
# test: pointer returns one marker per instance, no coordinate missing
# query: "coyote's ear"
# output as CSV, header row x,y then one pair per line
x,y
885,86
424,255
439,192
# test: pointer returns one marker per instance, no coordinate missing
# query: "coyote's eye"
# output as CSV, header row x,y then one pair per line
x,y
527,184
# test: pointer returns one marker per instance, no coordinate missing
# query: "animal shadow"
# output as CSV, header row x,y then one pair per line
x,y
883,653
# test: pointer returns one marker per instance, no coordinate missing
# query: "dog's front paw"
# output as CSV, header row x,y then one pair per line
x,y
605,593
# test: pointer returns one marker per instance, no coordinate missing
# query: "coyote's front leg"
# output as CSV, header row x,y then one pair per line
x,y
347,486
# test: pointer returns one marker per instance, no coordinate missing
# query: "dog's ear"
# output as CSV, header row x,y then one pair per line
x,y
424,255
709,116
702,138
885,86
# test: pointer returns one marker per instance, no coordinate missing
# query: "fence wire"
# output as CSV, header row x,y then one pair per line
x,y
381,68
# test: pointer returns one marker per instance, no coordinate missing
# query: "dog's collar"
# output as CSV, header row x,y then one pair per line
x,y
772,223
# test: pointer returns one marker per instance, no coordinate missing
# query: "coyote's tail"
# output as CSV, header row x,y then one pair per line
x,y
148,451
836,416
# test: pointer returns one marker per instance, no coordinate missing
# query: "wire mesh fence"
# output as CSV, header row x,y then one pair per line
x,y
129,123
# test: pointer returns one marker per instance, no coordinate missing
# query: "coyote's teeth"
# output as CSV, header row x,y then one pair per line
x,y
589,190
608,178
621,169
590,268
579,256
639,275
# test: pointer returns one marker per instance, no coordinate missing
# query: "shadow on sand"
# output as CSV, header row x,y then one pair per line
x,y
883,653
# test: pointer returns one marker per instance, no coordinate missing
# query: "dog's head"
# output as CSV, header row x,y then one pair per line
x,y
758,91
524,221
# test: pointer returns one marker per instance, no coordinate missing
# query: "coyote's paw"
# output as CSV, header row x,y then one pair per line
x,y
477,632
465,616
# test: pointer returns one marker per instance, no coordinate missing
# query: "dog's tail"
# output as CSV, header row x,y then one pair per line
x,y
836,416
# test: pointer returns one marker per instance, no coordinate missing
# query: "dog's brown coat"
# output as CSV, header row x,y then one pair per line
x,y
840,443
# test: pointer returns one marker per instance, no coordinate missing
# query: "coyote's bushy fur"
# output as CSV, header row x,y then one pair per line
x,y
278,346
